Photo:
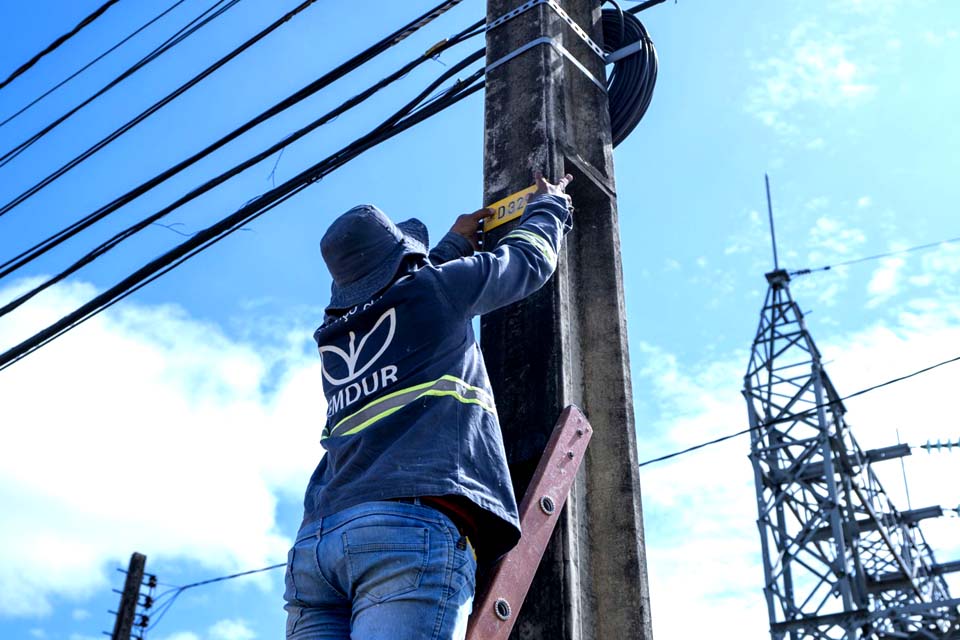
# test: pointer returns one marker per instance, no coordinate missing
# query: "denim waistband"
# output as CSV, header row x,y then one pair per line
x,y
409,507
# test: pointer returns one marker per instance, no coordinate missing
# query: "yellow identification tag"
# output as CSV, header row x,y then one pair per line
x,y
510,208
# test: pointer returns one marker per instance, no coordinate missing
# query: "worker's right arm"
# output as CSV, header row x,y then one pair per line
x,y
523,261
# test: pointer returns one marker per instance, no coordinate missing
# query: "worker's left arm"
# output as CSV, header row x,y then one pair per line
x,y
462,239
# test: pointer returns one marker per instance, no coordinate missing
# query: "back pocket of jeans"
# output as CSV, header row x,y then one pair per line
x,y
385,562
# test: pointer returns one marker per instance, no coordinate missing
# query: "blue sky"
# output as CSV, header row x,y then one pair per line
x,y
184,422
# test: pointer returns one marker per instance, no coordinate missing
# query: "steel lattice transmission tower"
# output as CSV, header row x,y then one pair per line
x,y
840,561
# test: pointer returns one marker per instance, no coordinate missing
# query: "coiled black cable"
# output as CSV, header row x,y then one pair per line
x,y
631,81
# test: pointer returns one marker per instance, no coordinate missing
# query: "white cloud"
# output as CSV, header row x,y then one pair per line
x,y
885,282
872,6
864,202
144,429
830,240
811,67
944,262
80,614
231,630
937,40
751,238
700,510
182,635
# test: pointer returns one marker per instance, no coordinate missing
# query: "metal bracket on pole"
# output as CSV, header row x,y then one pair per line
x,y
559,49
498,606
553,4
628,50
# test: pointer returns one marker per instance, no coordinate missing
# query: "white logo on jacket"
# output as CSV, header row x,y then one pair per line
x,y
358,363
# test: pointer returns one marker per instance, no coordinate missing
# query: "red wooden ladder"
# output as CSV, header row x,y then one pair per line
x,y
497,605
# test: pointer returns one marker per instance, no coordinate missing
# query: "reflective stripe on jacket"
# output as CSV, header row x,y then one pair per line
x,y
409,407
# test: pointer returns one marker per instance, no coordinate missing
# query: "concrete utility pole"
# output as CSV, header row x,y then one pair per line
x,y
567,343
127,610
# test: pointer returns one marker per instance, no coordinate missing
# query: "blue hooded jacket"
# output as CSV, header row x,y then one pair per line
x,y
410,411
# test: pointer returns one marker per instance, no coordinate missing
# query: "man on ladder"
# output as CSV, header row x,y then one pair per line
x,y
414,487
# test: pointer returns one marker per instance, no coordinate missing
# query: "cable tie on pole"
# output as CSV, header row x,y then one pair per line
x,y
429,53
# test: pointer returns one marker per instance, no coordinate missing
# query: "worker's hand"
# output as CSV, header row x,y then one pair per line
x,y
468,226
553,189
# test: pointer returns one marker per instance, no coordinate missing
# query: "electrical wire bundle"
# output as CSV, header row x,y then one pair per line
x,y
630,89
92,62
209,15
423,106
56,43
630,84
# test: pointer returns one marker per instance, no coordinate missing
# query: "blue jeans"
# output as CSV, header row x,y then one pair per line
x,y
380,570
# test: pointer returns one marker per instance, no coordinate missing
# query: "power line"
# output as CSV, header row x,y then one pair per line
x,y
223,177
408,116
642,464
645,5
411,114
178,590
59,41
340,71
156,106
205,18
231,576
630,91
163,608
878,256
798,415
92,62
887,383
697,446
